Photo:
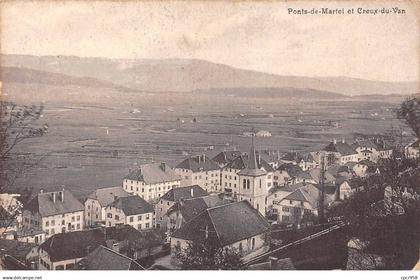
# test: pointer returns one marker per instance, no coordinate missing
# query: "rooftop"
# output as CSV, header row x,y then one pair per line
x,y
103,258
198,164
340,147
188,192
153,173
54,203
107,195
132,205
224,224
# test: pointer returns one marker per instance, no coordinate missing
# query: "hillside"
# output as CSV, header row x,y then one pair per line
x,y
184,75
29,76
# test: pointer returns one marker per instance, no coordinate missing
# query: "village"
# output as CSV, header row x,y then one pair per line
x,y
253,203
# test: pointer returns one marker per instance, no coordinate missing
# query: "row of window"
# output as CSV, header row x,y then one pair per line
x,y
73,219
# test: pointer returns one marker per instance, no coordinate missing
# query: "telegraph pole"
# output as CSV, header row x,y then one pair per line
x,y
321,215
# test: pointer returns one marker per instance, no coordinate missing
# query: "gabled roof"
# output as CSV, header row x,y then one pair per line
x,y
242,161
192,207
224,224
198,164
15,248
308,193
153,173
179,193
226,157
339,147
292,169
72,245
314,174
107,195
43,204
336,169
103,258
132,205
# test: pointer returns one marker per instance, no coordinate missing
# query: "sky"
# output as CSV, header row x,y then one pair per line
x,y
260,36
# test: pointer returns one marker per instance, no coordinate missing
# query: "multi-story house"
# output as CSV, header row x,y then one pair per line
x,y
97,201
286,174
170,198
253,185
130,210
372,149
53,212
230,173
64,250
200,170
302,202
151,181
339,152
235,225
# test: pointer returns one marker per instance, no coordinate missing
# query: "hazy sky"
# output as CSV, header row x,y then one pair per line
x,y
259,36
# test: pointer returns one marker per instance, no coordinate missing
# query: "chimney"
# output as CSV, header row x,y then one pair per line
x,y
53,197
192,192
199,159
204,158
163,166
335,141
41,191
62,195
273,261
343,141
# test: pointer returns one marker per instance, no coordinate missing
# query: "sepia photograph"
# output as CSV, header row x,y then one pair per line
x,y
209,135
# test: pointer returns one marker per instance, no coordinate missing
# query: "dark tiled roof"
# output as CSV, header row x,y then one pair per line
x,y
153,173
292,169
343,148
177,194
103,258
198,164
72,245
282,264
43,204
192,207
107,195
314,174
132,205
225,224
292,156
226,157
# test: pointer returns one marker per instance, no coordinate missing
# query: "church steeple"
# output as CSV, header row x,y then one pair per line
x,y
252,164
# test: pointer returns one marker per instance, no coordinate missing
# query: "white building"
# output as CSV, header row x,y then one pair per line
x,y
97,201
372,149
413,150
200,170
130,210
340,152
53,212
151,181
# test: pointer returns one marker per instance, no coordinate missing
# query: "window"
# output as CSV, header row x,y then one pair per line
x,y
53,223
78,226
63,222
69,266
117,217
78,218
147,225
301,203
109,215
131,219
290,202
286,209
147,216
139,226
47,223
52,231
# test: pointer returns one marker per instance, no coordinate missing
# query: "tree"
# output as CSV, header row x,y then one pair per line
x,y
17,124
207,256
409,111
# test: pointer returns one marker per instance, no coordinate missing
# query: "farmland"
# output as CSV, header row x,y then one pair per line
x,y
96,135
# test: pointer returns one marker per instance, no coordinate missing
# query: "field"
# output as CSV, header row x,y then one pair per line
x,y
96,135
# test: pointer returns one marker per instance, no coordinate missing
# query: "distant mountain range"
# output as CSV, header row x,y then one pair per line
x,y
183,75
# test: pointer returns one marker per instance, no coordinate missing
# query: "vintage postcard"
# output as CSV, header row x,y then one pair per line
x,y
209,135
